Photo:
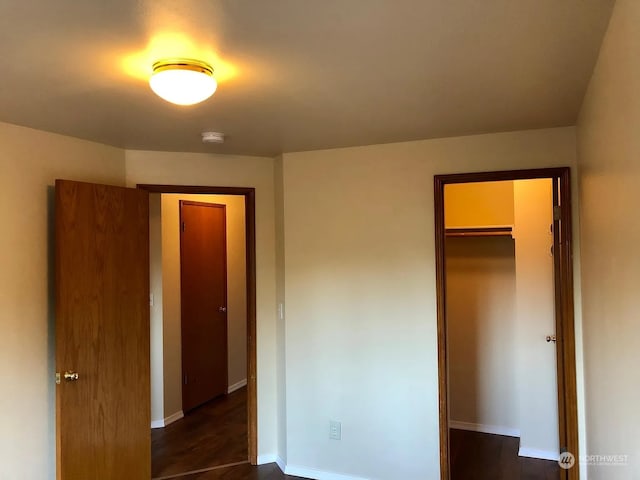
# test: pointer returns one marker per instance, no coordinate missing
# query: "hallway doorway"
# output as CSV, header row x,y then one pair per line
x,y
217,429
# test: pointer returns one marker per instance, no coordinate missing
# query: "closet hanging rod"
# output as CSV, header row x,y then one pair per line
x,y
501,231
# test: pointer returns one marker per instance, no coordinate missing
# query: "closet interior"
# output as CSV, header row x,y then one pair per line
x,y
500,308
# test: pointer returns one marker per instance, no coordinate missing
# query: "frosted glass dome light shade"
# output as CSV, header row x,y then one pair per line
x,y
183,82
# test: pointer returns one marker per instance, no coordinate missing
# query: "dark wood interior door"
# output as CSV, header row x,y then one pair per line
x,y
203,270
102,332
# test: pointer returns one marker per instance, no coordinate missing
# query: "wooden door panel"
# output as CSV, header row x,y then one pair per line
x,y
102,332
203,293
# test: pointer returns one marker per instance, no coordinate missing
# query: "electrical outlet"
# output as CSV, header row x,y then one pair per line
x,y
335,430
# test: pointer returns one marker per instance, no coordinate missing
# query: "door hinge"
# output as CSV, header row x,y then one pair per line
x,y
557,213
57,378
186,380
183,226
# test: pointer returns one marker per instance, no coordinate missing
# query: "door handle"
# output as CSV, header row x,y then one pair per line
x,y
71,376
222,309
551,338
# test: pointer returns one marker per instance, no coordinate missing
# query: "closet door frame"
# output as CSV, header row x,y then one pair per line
x,y
565,329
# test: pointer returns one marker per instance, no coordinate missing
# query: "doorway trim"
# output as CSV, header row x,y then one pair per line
x,y
565,330
250,228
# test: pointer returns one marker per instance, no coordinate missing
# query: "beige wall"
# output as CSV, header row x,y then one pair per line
x,y
609,153
30,161
535,359
235,171
171,305
481,333
360,295
478,204
156,320
280,299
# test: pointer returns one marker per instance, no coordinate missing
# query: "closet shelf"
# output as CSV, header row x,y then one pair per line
x,y
493,231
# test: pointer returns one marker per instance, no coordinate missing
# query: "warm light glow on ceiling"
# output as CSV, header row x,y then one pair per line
x,y
139,65
183,81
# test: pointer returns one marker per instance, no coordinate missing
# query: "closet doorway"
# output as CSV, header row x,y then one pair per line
x,y
506,348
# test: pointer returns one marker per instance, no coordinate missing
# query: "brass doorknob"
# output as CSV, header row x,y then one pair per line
x,y
71,376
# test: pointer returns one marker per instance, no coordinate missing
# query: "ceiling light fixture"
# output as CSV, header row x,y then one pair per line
x,y
182,81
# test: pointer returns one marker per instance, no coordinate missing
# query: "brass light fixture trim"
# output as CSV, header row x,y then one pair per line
x,y
182,64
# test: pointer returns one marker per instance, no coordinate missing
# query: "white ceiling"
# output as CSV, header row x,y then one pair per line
x,y
298,74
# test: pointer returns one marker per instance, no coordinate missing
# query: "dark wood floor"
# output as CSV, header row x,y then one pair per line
x,y
480,456
211,435
242,472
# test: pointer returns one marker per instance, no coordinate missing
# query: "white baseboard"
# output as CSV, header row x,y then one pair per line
x,y
238,386
314,474
541,454
304,472
281,463
492,429
173,418
168,420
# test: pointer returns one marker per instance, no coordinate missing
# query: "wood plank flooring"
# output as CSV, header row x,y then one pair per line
x,y
241,472
480,456
211,435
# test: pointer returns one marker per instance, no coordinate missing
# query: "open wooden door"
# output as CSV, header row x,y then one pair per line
x,y
102,332
565,333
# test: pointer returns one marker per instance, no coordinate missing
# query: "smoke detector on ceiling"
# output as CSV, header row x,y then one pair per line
x,y
212,137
